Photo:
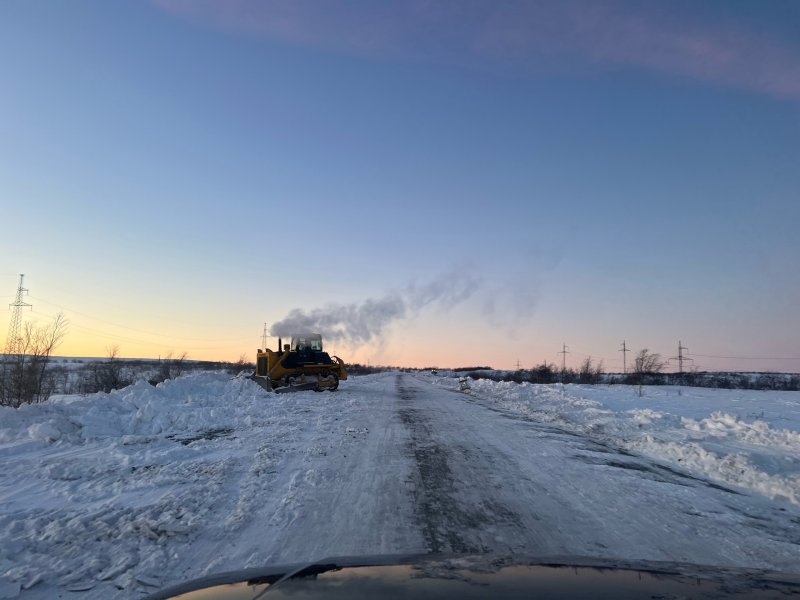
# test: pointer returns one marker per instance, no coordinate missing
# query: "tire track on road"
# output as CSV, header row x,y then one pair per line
x,y
450,514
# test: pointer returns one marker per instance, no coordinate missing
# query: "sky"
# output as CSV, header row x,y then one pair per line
x,y
427,183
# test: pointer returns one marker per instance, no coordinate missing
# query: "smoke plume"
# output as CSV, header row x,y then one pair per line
x,y
361,323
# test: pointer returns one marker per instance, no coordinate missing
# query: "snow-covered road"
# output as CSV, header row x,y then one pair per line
x,y
115,495
488,480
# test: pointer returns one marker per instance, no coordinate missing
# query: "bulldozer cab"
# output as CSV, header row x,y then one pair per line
x,y
306,342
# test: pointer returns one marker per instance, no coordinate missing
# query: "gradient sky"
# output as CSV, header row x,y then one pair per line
x,y
176,173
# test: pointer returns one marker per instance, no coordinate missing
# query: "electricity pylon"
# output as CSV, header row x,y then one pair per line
x,y
12,341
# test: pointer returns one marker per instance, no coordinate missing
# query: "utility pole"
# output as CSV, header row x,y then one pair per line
x,y
563,354
624,351
517,364
680,358
12,341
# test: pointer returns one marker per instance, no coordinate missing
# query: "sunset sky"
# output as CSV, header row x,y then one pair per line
x,y
438,183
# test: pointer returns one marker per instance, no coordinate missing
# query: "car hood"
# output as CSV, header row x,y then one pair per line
x,y
430,576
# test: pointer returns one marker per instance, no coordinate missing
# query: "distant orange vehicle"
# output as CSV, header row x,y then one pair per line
x,y
301,365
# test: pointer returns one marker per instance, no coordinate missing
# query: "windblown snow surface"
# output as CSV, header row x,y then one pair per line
x,y
117,495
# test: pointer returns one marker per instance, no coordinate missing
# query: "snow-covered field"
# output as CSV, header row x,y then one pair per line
x,y
116,495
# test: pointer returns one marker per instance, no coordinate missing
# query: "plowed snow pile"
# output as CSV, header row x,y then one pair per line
x,y
101,493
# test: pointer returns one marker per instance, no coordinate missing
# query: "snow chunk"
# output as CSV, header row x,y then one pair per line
x,y
45,432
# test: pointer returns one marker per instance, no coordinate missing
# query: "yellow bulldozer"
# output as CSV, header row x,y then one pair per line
x,y
300,365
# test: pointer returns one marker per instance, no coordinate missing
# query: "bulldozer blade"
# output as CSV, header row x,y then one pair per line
x,y
301,387
263,382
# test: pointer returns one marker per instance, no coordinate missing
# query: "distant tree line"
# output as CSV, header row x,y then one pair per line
x,y
588,372
647,369
357,369
738,381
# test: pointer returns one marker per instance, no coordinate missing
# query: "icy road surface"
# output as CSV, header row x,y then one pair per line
x,y
115,495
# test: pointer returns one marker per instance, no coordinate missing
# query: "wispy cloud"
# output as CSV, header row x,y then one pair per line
x,y
522,34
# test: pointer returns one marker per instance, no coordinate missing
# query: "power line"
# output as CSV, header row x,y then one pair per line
x,y
122,308
131,340
597,356
747,357
173,337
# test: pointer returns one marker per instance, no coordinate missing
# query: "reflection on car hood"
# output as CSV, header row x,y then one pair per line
x,y
431,576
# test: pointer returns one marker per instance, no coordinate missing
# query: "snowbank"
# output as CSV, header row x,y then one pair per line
x,y
114,472
746,438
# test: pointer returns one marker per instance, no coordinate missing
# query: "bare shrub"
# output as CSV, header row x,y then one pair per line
x,y
590,373
243,364
169,368
24,375
646,365
107,375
